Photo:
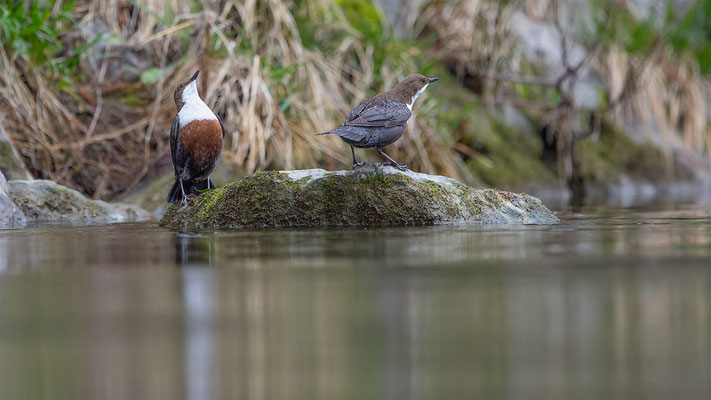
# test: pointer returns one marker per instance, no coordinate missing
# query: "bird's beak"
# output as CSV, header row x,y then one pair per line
x,y
194,76
433,79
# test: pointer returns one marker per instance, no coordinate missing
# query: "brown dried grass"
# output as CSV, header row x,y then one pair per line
x,y
670,100
92,142
89,139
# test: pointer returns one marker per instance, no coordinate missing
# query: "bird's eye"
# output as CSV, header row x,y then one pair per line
x,y
181,85
423,80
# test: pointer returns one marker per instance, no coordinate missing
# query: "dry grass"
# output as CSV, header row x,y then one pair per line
x,y
94,142
274,91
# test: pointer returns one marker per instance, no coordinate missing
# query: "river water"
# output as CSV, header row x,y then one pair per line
x,y
610,303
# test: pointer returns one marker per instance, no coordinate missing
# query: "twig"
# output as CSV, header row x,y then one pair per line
x,y
99,98
168,31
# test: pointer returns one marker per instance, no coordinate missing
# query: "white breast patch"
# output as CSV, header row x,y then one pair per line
x,y
194,108
419,92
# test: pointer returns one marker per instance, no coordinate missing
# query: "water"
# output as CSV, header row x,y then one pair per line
x,y
607,304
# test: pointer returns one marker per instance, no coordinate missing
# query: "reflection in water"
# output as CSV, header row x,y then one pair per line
x,y
600,306
199,307
193,249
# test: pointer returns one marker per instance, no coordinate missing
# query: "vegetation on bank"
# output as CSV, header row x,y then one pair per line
x,y
87,87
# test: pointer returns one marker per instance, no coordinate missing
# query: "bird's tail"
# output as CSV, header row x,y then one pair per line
x,y
176,194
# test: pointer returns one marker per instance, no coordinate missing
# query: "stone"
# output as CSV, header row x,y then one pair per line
x,y
369,196
10,161
42,200
153,196
540,43
10,215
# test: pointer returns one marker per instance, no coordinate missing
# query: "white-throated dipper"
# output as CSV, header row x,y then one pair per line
x,y
382,119
196,136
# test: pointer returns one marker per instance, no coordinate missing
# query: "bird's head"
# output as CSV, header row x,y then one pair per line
x,y
185,90
410,88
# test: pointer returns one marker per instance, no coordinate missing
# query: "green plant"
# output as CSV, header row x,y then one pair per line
x,y
33,33
692,33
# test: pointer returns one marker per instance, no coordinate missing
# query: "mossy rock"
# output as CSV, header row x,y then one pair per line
x,y
43,200
369,196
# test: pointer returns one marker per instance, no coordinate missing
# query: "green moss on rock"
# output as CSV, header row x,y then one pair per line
x,y
508,156
370,196
614,154
42,200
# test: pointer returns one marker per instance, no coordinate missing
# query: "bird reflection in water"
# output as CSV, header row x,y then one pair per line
x,y
193,249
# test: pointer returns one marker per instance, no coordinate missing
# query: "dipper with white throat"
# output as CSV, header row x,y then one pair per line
x,y
196,136
382,119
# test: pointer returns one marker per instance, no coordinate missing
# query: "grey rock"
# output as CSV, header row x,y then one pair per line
x,y
10,161
125,62
153,196
540,43
370,196
42,200
401,15
512,116
10,215
656,10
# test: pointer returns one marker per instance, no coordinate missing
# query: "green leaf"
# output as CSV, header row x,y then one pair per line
x,y
151,76
64,82
278,73
704,57
642,37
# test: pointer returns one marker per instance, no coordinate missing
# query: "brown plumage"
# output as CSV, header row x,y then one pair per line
x,y
202,140
382,119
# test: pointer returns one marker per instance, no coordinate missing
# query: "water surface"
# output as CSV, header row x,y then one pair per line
x,y
606,304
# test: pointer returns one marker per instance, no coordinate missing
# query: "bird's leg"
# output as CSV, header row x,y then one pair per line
x,y
182,189
185,197
395,164
208,182
356,163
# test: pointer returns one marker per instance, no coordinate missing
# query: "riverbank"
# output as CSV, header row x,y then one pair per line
x,y
506,114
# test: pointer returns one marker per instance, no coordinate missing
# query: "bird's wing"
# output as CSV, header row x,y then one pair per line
x,y
358,110
221,126
174,142
379,114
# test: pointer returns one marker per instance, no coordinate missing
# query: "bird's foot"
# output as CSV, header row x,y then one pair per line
x,y
359,164
396,165
184,203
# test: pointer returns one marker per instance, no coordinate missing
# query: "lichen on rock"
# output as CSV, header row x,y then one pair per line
x,y
370,196
42,200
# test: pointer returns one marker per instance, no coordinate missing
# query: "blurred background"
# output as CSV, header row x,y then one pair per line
x,y
572,100
604,103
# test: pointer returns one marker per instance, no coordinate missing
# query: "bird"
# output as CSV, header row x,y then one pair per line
x,y
196,136
382,119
